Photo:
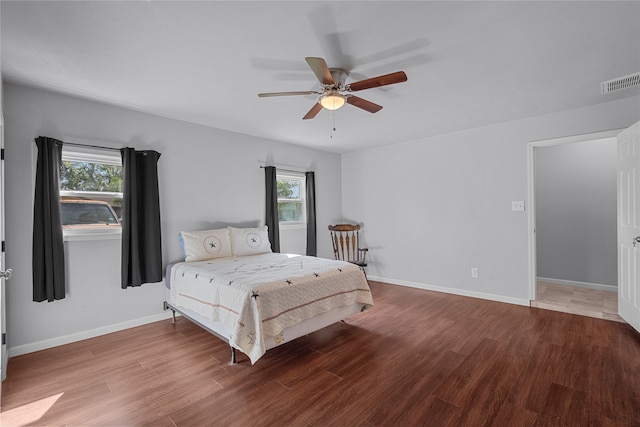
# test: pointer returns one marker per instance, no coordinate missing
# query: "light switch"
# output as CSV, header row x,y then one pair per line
x,y
517,206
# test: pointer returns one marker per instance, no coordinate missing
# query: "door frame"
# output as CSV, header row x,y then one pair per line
x,y
531,214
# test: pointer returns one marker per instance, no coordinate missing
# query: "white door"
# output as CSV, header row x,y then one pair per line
x,y
629,225
4,275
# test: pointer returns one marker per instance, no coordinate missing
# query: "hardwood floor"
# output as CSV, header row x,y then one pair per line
x,y
417,358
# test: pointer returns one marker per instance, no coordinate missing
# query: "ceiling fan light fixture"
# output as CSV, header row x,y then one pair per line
x,y
332,83
332,100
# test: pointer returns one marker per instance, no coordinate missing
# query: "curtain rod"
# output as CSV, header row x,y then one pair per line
x,y
285,170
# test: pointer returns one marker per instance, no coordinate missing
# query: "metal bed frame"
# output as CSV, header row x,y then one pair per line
x,y
167,306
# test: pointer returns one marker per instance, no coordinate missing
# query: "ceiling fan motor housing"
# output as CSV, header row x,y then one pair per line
x,y
339,76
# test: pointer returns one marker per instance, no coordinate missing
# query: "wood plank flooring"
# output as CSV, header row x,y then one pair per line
x,y
417,358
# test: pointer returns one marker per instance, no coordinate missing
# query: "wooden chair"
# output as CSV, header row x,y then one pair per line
x,y
346,244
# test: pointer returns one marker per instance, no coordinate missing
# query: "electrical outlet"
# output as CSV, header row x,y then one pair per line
x,y
517,206
474,272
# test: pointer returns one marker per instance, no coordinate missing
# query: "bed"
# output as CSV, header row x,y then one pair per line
x,y
255,299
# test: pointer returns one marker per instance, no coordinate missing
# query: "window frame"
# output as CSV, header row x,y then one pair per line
x,y
301,178
89,155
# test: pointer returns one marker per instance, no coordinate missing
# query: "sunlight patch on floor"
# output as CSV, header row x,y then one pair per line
x,y
29,413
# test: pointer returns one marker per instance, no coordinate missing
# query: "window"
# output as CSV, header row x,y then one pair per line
x,y
291,199
90,193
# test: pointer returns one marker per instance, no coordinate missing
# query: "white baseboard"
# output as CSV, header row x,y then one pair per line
x,y
79,336
587,285
461,292
67,339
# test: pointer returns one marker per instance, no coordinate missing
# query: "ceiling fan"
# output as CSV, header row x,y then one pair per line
x,y
335,92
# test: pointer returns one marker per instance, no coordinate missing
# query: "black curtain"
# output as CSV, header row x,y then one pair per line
x,y
310,184
271,216
141,243
48,246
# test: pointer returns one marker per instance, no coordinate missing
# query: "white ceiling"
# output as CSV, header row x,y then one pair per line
x,y
468,64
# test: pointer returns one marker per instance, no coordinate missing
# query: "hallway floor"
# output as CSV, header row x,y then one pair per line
x,y
576,300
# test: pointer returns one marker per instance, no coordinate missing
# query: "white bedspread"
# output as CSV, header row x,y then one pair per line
x,y
259,296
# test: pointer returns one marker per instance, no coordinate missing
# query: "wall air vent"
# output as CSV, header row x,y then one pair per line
x,y
620,83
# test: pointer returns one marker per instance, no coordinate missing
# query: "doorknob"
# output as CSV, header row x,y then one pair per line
x,y
7,274
636,240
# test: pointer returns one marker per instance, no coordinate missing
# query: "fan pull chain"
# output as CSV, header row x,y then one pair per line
x,y
332,118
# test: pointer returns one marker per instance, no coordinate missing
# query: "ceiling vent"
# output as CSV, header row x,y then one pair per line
x,y
620,83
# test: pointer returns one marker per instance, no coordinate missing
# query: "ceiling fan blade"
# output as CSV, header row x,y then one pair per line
x,y
387,79
319,67
364,104
306,92
313,112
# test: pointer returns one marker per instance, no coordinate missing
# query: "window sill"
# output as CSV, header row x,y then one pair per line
x,y
72,236
298,225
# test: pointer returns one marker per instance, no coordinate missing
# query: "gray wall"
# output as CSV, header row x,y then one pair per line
x,y
208,177
431,208
436,207
576,231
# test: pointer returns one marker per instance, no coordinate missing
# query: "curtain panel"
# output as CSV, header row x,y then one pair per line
x,y
271,215
141,237
48,244
310,188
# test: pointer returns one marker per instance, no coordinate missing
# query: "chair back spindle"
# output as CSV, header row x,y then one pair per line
x,y
345,239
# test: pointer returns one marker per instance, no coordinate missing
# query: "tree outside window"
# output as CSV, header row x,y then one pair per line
x,y
85,176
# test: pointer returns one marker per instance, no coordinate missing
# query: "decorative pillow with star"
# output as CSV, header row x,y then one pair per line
x,y
206,244
249,241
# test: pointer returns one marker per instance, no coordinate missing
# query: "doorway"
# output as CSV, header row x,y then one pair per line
x,y
573,240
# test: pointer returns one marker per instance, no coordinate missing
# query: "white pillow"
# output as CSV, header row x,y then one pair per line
x,y
206,244
249,241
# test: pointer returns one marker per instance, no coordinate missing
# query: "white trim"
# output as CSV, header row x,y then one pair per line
x,y
68,236
576,138
586,285
79,336
454,291
90,155
94,195
292,225
531,232
531,221
301,179
292,175
4,352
